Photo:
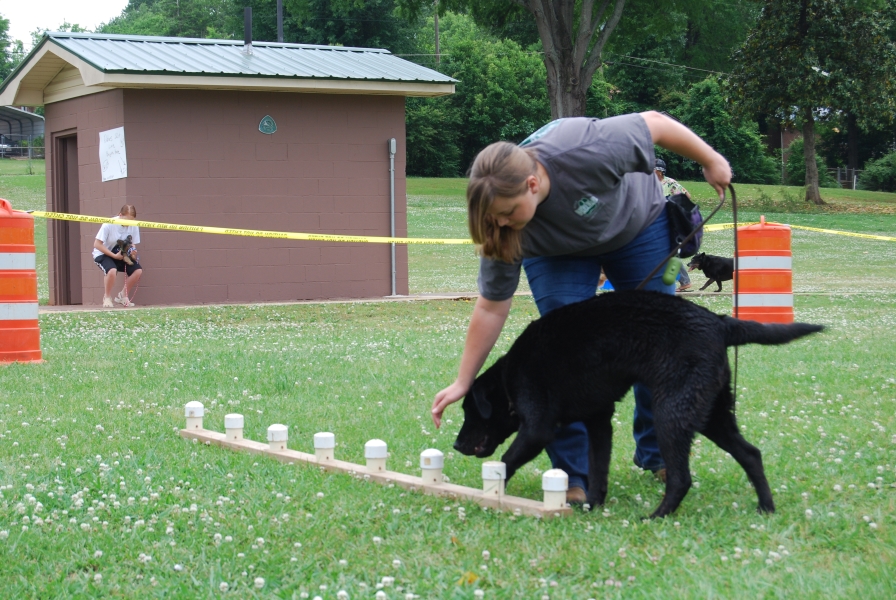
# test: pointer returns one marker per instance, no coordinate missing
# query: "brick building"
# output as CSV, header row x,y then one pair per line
x,y
284,137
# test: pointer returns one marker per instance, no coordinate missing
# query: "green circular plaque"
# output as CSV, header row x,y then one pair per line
x,y
267,125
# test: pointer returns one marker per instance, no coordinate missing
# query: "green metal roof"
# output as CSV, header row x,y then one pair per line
x,y
189,56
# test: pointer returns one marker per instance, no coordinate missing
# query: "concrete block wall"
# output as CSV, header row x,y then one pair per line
x,y
197,157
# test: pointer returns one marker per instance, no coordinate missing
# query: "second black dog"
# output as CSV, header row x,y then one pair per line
x,y
575,363
717,268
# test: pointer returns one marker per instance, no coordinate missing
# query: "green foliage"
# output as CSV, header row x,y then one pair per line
x,y
11,52
368,24
641,82
879,175
804,53
871,143
812,58
433,129
796,167
177,18
500,96
705,111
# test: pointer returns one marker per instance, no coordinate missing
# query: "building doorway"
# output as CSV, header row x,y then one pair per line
x,y
67,234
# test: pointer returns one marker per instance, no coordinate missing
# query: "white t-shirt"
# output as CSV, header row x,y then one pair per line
x,y
109,234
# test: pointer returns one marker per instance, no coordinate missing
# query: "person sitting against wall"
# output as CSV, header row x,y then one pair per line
x,y
108,257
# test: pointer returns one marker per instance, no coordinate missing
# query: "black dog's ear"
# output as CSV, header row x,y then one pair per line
x,y
482,404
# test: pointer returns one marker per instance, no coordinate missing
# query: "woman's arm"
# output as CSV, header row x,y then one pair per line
x,y
485,327
672,135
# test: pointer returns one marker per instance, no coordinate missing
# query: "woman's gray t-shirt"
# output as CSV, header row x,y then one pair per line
x,y
603,194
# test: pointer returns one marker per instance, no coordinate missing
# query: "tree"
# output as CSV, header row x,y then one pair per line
x,y
365,23
500,96
880,175
177,18
11,51
808,59
705,110
573,34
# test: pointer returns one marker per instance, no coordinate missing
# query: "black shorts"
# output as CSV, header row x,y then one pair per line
x,y
107,262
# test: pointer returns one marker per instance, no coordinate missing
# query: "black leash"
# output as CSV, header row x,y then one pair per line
x,y
736,279
690,236
675,250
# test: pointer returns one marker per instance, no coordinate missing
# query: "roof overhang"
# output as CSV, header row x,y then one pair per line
x,y
52,74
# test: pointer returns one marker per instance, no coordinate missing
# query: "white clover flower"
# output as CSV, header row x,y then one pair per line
x,y
259,583
396,563
377,540
223,586
341,595
98,578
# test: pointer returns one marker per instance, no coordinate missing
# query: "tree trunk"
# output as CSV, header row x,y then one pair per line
x,y
571,52
852,142
812,192
567,92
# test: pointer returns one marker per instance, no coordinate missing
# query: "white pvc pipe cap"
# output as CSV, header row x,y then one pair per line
x,y
375,449
432,459
233,421
194,409
278,433
494,470
324,440
555,480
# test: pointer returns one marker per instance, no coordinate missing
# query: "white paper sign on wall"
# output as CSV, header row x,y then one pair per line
x,y
113,157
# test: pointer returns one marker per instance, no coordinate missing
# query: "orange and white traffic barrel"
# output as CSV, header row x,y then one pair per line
x,y
764,275
19,329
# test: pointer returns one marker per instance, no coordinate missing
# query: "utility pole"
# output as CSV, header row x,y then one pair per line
x,y
436,18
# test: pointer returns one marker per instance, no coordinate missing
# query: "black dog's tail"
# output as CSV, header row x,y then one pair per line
x,y
738,332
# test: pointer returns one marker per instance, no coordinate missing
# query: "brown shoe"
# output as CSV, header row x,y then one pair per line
x,y
575,496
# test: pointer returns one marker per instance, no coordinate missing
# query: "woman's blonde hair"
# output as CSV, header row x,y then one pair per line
x,y
499,171
130,210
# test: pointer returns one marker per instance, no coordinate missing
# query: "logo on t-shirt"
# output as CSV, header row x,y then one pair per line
x,y
586,206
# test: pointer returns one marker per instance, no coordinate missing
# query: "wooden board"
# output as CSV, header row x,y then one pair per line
x,y
522,506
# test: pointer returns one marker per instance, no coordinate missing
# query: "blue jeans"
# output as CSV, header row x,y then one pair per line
x,y
556,281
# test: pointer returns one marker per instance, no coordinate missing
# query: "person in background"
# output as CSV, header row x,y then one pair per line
x,y
107,256
670,188
576,196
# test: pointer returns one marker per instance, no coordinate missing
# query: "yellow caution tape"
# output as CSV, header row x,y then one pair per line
x,y
322,237
279,235
849,233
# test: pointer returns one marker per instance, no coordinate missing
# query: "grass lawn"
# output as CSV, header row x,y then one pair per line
x,y
99,497
822,262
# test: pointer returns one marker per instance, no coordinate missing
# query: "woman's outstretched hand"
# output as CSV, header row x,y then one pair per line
x,y
446,398
718,173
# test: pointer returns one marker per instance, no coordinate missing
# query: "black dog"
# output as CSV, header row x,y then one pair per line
x,y
575,363
717,268
127,250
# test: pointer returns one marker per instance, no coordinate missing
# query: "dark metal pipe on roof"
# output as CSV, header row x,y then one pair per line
x,y
247,30
280,21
